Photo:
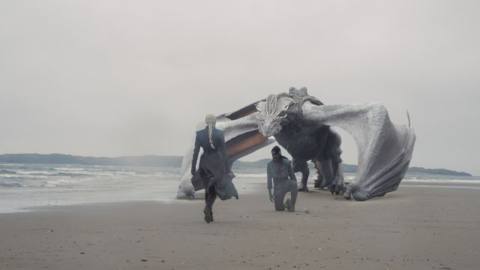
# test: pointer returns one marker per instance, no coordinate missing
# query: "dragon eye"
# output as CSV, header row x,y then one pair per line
x,y
282,114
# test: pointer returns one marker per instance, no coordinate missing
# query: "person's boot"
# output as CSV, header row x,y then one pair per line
x,y
208,215
290,207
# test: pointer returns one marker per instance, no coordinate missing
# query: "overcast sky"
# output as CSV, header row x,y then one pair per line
x,y
109,78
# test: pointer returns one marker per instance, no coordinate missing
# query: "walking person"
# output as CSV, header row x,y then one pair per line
x,y
213,171
280,172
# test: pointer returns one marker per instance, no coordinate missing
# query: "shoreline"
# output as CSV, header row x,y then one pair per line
x,y
252,186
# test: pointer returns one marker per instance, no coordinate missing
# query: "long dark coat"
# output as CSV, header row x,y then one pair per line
x,y
213,168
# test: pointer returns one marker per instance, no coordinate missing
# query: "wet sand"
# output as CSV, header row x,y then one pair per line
x,y
414,228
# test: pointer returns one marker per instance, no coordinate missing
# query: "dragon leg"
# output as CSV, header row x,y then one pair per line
x,y
302,166
320,178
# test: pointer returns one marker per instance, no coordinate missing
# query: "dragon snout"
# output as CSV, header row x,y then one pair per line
x,y
265,132
268,129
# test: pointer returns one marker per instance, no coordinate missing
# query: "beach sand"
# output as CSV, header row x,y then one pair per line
x,y
413,228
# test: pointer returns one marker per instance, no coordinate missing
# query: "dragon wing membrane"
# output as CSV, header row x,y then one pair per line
x,y
384,149
241,138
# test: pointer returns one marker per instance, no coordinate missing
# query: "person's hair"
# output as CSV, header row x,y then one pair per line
x,y
210,120
276,150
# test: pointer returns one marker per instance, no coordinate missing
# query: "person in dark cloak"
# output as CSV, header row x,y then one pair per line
x,y
280,172
213,171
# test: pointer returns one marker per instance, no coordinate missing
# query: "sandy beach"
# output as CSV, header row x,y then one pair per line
x,y
414,228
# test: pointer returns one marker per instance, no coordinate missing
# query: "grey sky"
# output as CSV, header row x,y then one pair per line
x,y
133,77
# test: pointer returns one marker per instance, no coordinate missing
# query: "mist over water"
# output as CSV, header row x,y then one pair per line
x,y
24,186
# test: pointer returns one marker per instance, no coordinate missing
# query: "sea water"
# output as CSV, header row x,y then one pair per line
x,y
25,186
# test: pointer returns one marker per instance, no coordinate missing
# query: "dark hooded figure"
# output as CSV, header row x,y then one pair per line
x,y
280,171
213,172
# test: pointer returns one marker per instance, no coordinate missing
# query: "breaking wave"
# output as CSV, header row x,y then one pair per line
x,y
24,186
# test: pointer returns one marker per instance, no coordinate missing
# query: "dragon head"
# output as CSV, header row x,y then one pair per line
x,y
271,112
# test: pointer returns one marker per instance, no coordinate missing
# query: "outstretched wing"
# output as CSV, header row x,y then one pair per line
x,y
241,137
384,149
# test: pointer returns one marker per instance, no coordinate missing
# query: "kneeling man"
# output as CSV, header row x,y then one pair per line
x,y
280,171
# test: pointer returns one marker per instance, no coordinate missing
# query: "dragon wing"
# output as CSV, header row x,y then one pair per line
x,y
241,138
384,149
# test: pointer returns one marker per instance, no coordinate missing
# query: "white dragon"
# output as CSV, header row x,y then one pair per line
x,y
301,124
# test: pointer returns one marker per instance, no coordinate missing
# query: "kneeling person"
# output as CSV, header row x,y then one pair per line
x,y
280,171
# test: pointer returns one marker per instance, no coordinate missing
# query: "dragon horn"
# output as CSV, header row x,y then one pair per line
x,y
409,120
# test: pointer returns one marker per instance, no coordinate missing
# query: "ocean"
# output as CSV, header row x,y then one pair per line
x,y
26,186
